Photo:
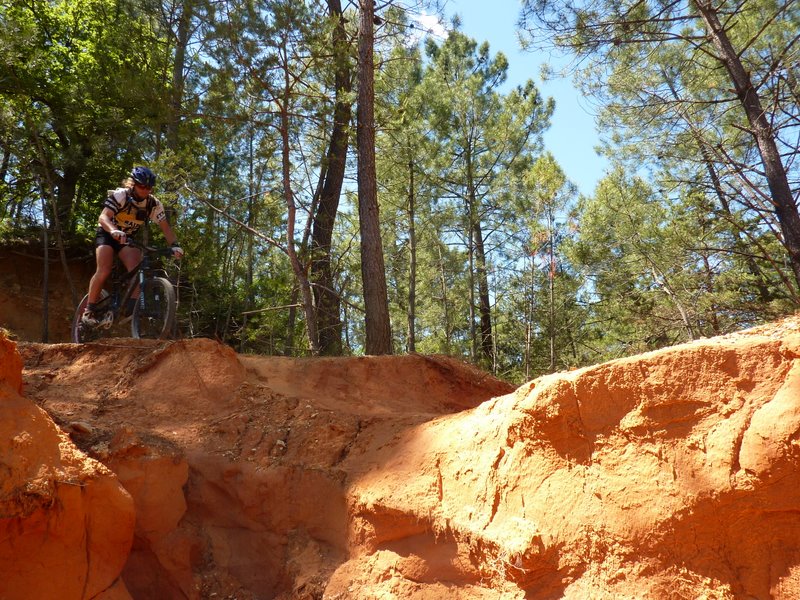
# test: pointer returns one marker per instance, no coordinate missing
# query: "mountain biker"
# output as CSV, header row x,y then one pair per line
x,y
125,210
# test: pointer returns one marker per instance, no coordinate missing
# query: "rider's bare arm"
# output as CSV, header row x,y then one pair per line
x,y
106,222
171,238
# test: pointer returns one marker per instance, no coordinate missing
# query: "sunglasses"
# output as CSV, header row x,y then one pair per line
x,y
142,186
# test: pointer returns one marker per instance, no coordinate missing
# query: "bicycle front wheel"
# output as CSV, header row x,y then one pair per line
x,y
154,313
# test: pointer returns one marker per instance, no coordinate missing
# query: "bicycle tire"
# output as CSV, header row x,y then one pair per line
x,y
79,333
156,318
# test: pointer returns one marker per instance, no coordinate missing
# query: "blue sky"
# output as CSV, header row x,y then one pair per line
x,y
572,135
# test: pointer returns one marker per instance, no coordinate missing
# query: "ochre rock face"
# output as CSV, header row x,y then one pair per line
x,y
675,474
672,474
154,473
66,524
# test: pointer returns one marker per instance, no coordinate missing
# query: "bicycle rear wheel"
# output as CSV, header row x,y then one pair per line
x,y
156,318
81,333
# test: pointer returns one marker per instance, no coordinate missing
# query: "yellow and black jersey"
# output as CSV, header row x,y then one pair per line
x,y
130,215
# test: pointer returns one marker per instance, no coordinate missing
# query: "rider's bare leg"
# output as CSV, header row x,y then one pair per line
x,y
104,255
131,257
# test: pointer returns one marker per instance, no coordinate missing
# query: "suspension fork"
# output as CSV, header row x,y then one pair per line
x,y
140,277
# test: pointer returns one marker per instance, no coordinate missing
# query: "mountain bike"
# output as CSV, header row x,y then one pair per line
x,y
151,315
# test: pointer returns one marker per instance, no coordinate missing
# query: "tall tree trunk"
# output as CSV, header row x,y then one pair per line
x,y
328,306
46,275
739,242
484,304
551,267
67,187
473,329
445,308
249,241
529,320
774,170
61,201
373,272
75,152
412,260
294,260
4,164
179,74
288,347
708,286
705,152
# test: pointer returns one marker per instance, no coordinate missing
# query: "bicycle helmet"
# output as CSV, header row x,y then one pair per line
x,y
143,176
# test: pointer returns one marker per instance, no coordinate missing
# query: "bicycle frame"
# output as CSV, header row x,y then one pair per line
x,y
121,291
143,271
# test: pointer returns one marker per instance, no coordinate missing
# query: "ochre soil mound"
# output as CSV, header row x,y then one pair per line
x,y
674,474
239,465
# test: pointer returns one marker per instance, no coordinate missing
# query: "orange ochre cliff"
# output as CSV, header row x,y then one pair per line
x,y
181,470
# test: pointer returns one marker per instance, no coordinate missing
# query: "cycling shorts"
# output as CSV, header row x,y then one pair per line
x,y
104,238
